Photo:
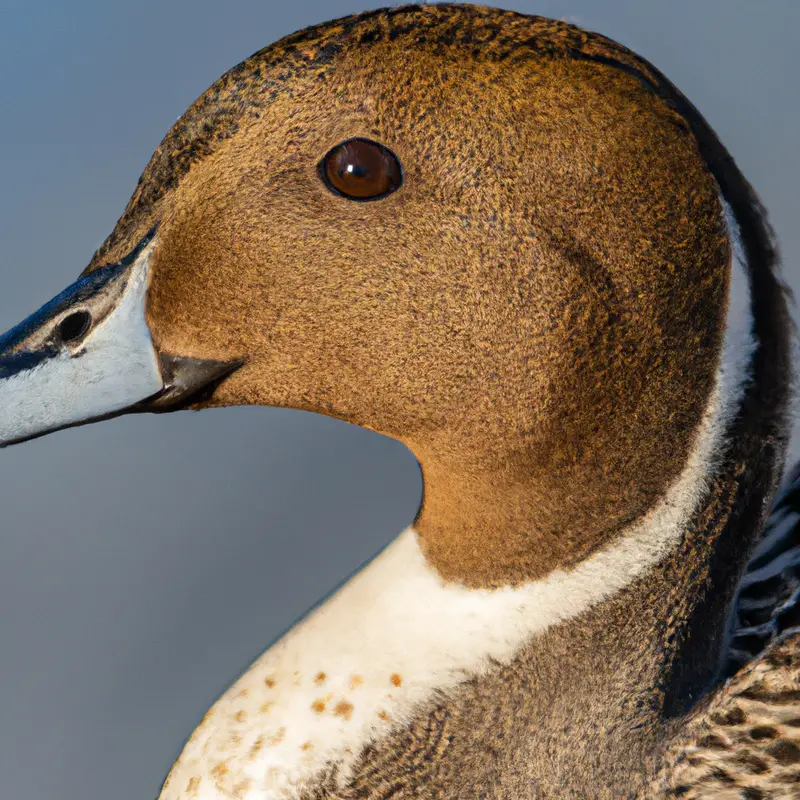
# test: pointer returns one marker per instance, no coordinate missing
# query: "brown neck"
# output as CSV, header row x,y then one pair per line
x,y
496,517
496,526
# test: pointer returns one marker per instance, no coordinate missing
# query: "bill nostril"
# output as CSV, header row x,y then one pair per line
x,y
73,326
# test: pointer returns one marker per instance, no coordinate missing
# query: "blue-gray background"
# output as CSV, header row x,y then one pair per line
x,y
145,561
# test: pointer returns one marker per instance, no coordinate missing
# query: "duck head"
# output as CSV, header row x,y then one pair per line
x,y
459,227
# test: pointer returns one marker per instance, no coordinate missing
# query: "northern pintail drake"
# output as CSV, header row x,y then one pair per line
x,y
516,247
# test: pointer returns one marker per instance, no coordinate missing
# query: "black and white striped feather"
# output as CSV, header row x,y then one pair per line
x,y
768,600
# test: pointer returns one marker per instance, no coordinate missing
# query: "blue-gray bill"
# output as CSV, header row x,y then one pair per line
x,y
88,355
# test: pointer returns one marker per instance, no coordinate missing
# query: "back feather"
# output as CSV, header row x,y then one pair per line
x,y
745,742
768,600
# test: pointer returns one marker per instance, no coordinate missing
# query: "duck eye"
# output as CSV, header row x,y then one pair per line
x,y
360,169
73,326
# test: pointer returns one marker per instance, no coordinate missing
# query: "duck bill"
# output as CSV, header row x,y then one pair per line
x,y
88,355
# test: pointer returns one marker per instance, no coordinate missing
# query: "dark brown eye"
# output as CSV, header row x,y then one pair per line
x,y
361,169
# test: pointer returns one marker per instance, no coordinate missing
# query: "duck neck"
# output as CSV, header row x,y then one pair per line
x,y
632,625
398,639
513,525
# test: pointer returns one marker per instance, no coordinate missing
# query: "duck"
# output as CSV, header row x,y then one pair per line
x,y
514,246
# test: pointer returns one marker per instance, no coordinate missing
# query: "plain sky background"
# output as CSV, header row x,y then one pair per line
x,y
144,562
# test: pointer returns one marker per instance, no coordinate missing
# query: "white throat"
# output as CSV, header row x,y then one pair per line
x,y
397,635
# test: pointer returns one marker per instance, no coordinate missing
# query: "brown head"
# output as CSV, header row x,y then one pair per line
x,y
534,303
